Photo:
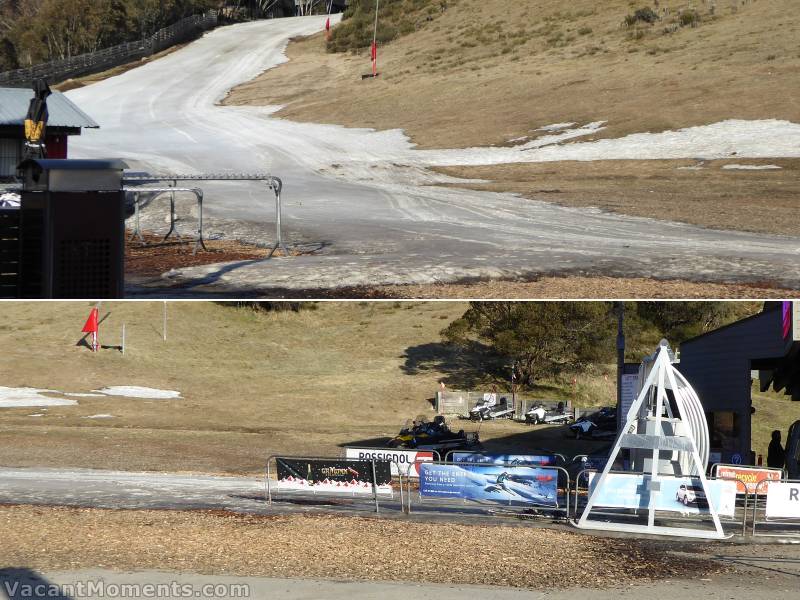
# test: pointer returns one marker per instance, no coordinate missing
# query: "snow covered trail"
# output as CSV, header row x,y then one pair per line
x,y
365,197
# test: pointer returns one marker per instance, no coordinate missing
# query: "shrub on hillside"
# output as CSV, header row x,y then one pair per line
x,y
395,19
642,15
689,18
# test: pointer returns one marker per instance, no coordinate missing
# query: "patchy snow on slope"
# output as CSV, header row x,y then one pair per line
x,y
100,416
132,391
556,127
769,138
29,397
750,167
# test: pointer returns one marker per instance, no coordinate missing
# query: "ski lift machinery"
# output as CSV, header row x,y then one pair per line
x,y
666,433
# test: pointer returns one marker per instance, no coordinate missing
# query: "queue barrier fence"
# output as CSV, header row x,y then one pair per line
x,y
559,509
400,466
270,489
741,489
790,526
448,457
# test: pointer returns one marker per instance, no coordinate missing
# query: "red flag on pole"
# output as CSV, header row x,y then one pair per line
x,y
328,24
374,53
92,326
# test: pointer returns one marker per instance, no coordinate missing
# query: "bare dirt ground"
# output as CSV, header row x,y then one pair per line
x,y
311,547
487,72
157,255
145,263
698,192
577,287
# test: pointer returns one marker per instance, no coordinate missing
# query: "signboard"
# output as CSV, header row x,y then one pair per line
x,y
402,461
630,389
331,476
493,483
543,460
678,494
783,500
750,476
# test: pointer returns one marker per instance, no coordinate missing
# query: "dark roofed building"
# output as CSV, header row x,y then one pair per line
x,y
721,365
65,119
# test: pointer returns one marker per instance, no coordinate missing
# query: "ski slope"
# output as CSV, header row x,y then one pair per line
x,y
363,200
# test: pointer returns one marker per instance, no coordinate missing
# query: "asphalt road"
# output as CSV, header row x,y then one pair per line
x,y
360,200
775,573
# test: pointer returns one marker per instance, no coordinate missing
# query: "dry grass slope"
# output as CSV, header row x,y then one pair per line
x,y
487,71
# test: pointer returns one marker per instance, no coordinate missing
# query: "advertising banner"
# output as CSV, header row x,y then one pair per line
x,y
493,483
331,476
544,460
783,500
402,461
750,476
677,494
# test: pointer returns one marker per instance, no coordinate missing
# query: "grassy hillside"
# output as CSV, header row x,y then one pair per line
x,y
252,384
487,71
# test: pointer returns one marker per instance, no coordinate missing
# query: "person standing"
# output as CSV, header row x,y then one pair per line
x,y
776,455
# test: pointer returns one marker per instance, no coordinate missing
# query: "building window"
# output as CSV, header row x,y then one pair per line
x,y
724,429
10,157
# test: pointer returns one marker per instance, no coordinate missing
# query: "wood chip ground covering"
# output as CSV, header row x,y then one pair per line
x,y
330,547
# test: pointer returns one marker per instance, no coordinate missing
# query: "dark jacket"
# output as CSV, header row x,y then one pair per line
x,y
776,455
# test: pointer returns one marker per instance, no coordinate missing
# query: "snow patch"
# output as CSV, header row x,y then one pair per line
x,y
29,397
555,127
132,391
750,167
101,416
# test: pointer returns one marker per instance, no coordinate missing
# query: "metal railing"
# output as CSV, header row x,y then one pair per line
x,y
520,509
93,62
273,183
611,512
137,230
270,489
398,465
790,525
558,456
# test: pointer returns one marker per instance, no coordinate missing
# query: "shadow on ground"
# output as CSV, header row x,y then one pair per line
x,y
27,584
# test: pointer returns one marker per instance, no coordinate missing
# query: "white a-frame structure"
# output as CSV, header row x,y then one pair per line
x,y
663,444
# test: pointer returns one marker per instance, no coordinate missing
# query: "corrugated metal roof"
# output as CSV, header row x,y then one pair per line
x,y
14,104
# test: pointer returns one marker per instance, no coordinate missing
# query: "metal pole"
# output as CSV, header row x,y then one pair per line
x,y
123,339
620,306
375,487
165,320
277,186
375,40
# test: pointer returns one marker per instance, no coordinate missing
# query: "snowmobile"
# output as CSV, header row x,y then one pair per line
x,y
492,408
420,434
598,425
538,414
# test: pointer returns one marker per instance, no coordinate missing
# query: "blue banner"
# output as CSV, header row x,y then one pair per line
x,y
494,483
543,460
677,494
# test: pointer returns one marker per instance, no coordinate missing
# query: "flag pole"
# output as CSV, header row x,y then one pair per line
x,y
375,41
